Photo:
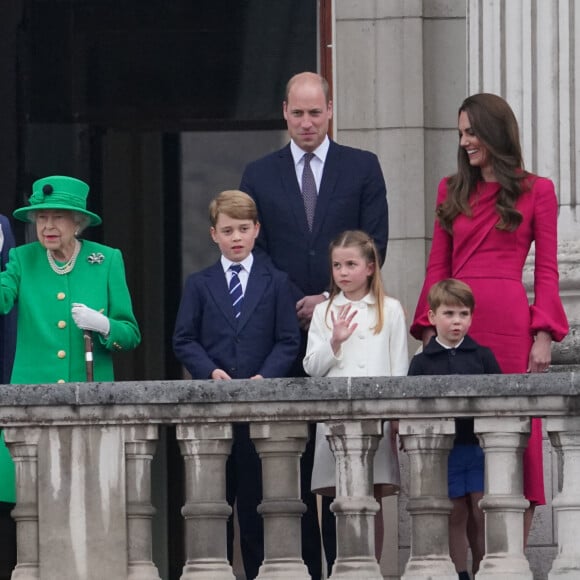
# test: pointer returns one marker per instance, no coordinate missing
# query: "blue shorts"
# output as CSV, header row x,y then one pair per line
x,y
465,470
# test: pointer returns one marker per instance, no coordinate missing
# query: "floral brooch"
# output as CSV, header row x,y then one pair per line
x,y
96,258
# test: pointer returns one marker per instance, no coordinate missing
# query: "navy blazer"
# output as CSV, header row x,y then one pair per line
x,y
352,196
7,322
265,338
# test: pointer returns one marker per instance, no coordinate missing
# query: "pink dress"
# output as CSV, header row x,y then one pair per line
x,y
491,261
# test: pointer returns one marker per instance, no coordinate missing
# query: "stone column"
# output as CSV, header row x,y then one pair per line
x,y
23,445
139,449
280,446
529,53
504,441
427,442
205,448
353,444
565,436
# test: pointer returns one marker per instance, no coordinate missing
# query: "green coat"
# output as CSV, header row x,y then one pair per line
x,y
49,345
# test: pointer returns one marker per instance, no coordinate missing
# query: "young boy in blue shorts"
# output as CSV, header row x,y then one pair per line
x,y
451,352
237,320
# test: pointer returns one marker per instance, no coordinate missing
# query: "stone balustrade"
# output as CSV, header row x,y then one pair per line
x,y
83,458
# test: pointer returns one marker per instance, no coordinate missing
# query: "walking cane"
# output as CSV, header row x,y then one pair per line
x,y
87,335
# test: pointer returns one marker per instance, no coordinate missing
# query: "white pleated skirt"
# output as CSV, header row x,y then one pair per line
x,y
386,465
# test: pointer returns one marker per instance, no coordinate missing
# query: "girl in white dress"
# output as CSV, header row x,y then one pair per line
x,y
358,331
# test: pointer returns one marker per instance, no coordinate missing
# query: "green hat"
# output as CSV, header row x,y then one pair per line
x,y
58,192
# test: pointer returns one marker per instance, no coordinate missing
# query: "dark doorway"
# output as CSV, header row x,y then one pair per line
x,y
106,88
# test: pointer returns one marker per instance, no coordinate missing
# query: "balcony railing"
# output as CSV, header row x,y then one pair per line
x,y
83,455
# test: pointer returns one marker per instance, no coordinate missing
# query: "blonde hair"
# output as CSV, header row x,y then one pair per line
x,y
368,250
235,204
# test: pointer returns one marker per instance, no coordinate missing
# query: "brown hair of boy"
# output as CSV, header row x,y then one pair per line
x,y
235,204
451,292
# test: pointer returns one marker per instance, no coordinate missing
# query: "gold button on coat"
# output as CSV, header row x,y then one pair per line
x,y
61,296
60,381
61,354
62,324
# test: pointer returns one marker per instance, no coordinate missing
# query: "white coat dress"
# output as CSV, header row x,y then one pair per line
x,y
364,354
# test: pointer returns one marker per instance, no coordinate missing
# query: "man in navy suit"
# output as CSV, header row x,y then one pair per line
x,y
350,195
257,337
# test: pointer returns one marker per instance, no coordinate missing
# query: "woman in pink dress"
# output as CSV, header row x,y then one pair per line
x,y
487,216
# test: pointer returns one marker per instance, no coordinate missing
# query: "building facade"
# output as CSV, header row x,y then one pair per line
x,y
400,69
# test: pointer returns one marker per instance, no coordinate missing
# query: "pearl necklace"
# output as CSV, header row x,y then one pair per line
x,y
67,266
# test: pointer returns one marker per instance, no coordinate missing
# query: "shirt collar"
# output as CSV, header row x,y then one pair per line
x,y
246,263
320,152
340,299
449,347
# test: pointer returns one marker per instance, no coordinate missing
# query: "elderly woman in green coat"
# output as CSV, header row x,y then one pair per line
x,y
64,286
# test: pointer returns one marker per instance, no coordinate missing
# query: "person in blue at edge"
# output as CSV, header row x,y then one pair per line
x,y
7,347
350,195
216,339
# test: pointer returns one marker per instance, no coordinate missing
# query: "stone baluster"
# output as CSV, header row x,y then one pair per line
x,y
353,444
280,446
23,445
205,448
504,441
427,443
564,434
139,449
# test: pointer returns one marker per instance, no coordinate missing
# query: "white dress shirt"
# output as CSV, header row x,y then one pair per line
x,y
244,274
316,163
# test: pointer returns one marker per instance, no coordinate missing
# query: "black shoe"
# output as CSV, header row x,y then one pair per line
x,y
463,576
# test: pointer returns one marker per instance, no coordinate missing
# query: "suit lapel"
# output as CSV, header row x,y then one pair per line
x,y
257,283
218,289
292,189
327,186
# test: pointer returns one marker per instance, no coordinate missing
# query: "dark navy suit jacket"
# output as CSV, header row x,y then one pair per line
x,y
265,338
352,196
8,322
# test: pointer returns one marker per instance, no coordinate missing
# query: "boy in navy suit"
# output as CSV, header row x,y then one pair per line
x,y
453,352
237,320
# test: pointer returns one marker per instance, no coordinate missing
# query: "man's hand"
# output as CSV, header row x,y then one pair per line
x,y
220,375
305,307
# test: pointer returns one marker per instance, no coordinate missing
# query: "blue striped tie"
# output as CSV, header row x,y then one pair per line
x,y
236,289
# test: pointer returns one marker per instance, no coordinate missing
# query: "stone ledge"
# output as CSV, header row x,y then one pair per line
x,y
562,384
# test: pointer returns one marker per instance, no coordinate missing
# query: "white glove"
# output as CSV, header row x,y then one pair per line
x,y
88,319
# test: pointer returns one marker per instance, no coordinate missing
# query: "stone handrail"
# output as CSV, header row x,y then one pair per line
x,y
83,454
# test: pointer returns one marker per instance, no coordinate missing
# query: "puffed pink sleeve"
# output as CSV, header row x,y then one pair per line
x,y
547,312
438,267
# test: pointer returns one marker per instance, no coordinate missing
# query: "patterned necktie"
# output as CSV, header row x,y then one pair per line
x,y
236,292
309,193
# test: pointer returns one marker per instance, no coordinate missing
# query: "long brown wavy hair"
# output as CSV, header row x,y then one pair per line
x,y
494,124
368,251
